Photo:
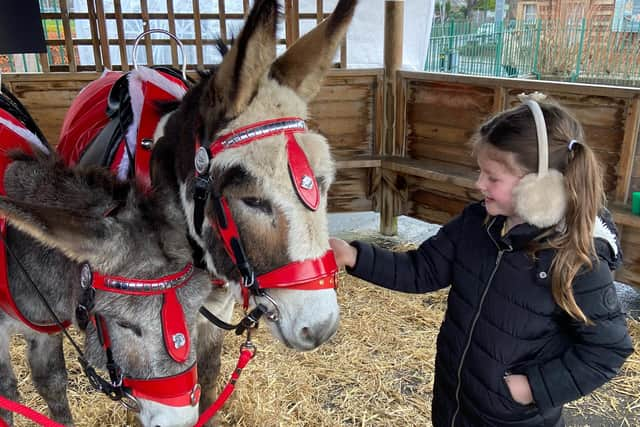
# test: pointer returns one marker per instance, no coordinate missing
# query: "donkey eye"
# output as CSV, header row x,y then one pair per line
x,y
133,328
256,203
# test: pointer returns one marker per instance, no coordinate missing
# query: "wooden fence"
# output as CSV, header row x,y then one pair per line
x,y
100,34
427,173
437,113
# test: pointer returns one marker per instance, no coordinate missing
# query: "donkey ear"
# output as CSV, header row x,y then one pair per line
x,y
305,63
74,233
250,57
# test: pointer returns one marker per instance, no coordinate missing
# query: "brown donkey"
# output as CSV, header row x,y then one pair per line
x,y
258,168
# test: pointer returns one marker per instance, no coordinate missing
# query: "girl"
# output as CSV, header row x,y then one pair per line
x,y
533,320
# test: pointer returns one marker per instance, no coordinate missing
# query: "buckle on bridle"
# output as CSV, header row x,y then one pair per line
x,y
113,390
201,187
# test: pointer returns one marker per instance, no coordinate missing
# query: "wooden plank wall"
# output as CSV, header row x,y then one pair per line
x,y
432,172
346,110
441,112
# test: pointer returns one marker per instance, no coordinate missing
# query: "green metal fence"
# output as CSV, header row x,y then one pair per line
x,y
549,50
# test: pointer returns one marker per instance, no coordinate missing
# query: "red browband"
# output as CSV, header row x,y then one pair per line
x,y
179,390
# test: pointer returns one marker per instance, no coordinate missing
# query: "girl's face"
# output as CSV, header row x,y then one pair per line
x,y
499,175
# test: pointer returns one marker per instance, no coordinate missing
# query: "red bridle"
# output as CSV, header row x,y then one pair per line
x,y
311,274
177,390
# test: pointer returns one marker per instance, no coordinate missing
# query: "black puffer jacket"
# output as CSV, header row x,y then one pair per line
x,y
501,317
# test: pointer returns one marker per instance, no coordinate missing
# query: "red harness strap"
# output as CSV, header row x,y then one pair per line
x,y
246,354
26,412
11,139
178,390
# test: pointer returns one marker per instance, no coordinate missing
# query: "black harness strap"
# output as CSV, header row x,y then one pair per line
x,y
13,106
248,322
102,150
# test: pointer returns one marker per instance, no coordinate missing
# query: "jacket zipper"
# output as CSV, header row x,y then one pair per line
x,y
475,321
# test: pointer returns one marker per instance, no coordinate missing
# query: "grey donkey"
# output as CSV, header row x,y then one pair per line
x,y
60,219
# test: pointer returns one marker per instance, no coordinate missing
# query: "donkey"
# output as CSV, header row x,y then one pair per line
x,y
114,262
260,170
250,177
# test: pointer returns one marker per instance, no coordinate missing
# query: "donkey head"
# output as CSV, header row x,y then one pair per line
x,y
134,299
275,188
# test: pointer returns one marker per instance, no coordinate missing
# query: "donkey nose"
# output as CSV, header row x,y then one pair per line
x,y
318,334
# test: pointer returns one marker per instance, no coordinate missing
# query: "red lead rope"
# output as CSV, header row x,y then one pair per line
x,y
26,412
246,354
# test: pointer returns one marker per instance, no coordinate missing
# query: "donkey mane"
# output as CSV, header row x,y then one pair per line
x,y
151,206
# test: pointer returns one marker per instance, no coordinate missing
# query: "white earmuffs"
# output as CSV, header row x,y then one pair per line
x,y
540,199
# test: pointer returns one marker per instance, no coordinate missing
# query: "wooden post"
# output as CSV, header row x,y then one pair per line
x,y
628,150
292,18
393,33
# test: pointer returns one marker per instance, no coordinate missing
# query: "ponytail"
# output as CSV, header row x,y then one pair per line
x,y
575,247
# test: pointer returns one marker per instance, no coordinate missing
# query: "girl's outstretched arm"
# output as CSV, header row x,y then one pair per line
x,y
425,269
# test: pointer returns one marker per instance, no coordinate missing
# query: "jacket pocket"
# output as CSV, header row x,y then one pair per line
x,y
526,409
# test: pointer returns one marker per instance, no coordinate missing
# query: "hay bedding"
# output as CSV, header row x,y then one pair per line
x,y
377,371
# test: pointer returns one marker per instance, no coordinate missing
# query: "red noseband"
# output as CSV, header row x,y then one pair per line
x,y
309,275
179,390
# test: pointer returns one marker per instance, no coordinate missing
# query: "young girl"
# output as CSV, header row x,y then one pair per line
x,y
533,320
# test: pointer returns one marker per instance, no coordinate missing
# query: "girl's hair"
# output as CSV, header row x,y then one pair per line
x,y
514,131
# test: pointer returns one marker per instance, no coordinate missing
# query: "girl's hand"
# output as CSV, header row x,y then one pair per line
x,y
345,254
519,388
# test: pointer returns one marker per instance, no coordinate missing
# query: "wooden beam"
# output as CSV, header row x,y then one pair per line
x,y
95,36
68,36
523,84
124,57
393,33
499,100
432,169
359,162
172,29
197,26
103,34
628,151
145,26
223,21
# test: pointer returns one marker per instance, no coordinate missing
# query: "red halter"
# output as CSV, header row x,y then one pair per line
x,y
177,390
312,274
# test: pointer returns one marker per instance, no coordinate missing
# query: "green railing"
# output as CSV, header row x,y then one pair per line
x,y
549,50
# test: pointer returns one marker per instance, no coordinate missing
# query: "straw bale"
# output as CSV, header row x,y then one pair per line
x,y
376,371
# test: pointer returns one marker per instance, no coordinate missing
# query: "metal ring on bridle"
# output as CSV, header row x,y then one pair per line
x,y
274,316
130,402
167,33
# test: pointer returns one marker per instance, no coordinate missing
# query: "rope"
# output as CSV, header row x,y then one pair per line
x,y
26,412
246,355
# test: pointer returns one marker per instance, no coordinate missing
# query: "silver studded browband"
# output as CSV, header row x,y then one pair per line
x,y
257,132
132,285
